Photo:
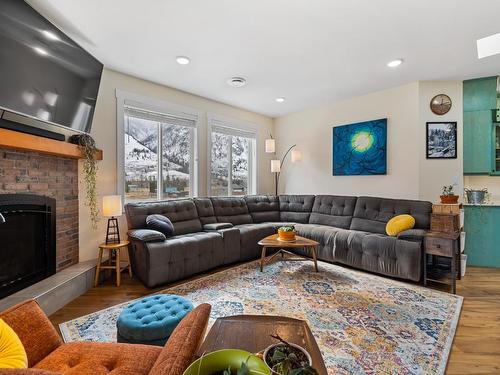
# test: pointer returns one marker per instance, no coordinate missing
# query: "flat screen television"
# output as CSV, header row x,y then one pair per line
x,y
45,75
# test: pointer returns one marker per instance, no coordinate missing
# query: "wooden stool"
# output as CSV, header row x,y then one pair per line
x,y
113,248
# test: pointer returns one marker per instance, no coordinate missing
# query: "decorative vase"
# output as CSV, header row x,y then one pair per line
x,y
449,199
286,235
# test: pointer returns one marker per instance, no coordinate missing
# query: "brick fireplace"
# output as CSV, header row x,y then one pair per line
x,y
52,176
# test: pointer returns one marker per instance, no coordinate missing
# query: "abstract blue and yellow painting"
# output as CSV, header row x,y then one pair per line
x,y
360,148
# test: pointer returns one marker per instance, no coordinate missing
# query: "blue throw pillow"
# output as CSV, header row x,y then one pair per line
x,y
161,224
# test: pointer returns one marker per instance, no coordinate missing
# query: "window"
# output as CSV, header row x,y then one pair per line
x,y
232,160
159,153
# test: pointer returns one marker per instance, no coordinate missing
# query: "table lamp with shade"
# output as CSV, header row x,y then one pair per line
x,y
111,208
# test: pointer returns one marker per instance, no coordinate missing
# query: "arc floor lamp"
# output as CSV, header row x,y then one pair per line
x,y
277,164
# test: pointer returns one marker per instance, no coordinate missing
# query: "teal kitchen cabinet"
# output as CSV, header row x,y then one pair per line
x,y
480,94
478,142
482,241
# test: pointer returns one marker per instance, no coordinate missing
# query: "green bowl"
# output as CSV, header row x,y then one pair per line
x,y
222,359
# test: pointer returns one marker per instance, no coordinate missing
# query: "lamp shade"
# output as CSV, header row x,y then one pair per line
x,y
270,146
275,166
112,205
296,156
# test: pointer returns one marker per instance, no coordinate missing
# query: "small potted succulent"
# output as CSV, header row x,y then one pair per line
x,y
285,358
448,196
286,233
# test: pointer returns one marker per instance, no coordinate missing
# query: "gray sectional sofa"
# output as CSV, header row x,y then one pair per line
x,y
218,231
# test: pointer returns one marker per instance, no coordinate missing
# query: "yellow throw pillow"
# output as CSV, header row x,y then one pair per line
x,y
399,223
12,353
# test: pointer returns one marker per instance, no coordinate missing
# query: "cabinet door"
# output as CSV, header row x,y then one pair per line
x,y
480,94
478,133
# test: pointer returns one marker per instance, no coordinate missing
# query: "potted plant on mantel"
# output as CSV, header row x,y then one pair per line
x,y
448,196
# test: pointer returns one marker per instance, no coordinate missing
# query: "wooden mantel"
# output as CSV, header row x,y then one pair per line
x,y
26,142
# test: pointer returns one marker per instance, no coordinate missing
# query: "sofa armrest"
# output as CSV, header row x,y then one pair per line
x,y
182,345
146,235
414,235
217,226
34,329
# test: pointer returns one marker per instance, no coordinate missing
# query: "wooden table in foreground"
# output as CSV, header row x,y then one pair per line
x,y
272,241
252,333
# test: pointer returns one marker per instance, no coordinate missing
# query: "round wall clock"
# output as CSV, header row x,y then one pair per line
x,y
440,104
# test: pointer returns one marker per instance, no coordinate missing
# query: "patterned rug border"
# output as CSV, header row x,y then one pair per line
x,y
382,279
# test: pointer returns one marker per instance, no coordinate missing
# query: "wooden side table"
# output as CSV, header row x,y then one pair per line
x,y
112,264
444,245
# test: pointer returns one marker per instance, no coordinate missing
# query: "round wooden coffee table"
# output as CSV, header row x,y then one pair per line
x,y
300,242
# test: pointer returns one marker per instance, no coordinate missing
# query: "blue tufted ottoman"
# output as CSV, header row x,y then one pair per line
x,y
152,319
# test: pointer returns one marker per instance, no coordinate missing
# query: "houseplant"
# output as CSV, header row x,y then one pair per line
x,y
286,233
448,196
88,148
285,358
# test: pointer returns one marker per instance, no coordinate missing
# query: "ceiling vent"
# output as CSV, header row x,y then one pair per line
x,y
237,81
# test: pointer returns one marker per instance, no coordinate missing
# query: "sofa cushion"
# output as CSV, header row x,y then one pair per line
x,y
296,208
398,224
324,235
205,210
160,224
371,214
182,213
250,235
178,257
378,253
101,358
39,337
263,208
12,353
232,210
333,210
146,235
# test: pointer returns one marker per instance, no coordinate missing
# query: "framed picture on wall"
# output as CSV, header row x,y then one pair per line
x,y
441,140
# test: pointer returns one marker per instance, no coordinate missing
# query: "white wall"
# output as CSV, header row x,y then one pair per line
x,y
104,132
435,173
311,130
409,174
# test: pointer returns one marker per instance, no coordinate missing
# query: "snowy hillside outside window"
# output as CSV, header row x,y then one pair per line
x,y
159,154
232,161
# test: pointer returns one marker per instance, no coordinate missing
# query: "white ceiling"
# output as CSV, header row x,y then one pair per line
x,y
308,51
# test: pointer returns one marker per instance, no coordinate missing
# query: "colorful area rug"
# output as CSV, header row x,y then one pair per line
x,y
364,324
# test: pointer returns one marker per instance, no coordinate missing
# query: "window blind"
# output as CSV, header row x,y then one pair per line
x,y
233,131
158,117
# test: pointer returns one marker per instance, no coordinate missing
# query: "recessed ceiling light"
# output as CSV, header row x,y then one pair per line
x,y
182,60
488,46
237,81
50,35
41,51
394,63
280,99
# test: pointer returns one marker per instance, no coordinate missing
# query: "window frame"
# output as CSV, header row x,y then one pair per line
x,y
123,99
240,128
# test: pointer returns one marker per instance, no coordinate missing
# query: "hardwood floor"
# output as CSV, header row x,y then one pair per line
x,y
476,348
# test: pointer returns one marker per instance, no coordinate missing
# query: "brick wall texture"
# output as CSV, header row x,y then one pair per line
x,y
53,176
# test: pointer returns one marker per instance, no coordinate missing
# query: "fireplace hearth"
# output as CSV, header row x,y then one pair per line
x,y
27,240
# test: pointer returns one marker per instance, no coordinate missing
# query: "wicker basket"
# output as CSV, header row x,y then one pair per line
x,y
445,223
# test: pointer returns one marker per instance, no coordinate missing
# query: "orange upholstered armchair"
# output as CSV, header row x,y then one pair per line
x,y
48,355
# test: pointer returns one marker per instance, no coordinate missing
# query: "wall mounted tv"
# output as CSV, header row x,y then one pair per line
x,y
44,75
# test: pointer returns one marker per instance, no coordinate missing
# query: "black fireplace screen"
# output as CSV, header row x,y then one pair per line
x,y
27,240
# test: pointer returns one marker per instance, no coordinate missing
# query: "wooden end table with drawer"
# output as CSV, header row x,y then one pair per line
x,y
444,245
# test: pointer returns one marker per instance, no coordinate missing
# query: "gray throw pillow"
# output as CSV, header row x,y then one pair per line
x,y
161,224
